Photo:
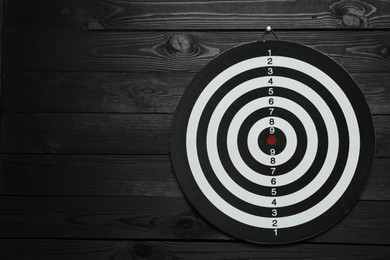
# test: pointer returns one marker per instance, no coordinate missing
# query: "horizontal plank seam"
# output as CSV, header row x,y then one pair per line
x,y
193,73
121,154
115,154
259,30
8,112
5,71
128,196
87,113
113,113
173,240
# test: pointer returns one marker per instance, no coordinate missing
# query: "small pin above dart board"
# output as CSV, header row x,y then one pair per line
x,y
272,142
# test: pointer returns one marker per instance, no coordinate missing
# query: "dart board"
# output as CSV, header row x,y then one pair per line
x,y
272,142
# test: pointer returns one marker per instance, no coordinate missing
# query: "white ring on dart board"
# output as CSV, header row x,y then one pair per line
x,y
251,107
245,111
247,172
265,222
253,141
232,145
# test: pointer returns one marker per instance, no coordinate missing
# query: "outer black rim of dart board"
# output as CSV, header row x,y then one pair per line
x,y
183,172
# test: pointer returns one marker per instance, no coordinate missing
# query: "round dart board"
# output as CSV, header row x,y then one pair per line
x,y
272,142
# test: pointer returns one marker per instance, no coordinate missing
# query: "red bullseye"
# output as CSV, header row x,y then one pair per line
x,y
271,140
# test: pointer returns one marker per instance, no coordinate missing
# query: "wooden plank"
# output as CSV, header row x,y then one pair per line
x,y
86,133
378,184
102,218
131,92
1,57
135,15
176,51
45,249
382,130
102,175
376,90
88,175
109,133
95,92
155,218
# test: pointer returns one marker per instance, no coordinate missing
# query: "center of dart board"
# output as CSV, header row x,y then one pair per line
x,y
271,140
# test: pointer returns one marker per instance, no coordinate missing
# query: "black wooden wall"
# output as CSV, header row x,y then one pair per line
x,y
87,96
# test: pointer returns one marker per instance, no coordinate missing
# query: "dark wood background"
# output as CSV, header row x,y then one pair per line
x,y
87,96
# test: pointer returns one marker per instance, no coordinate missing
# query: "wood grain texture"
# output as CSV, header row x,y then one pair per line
x,y
97,92
382,130
44,249
1,56
88,175
176,51
87,92
94,92
376,90
155,218
110,133
86,133
135,15
137,175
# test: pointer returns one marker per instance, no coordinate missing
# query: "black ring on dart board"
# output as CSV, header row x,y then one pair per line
x,y
243,99
303,78
242,140
248,123
228,165
241,224
267,140
202,152
283,190
278,112
236,189
236,80
226,88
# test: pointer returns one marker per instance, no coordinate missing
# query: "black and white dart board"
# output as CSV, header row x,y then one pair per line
x,y
272,142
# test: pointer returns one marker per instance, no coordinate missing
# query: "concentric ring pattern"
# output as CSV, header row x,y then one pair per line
x,y
268,139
